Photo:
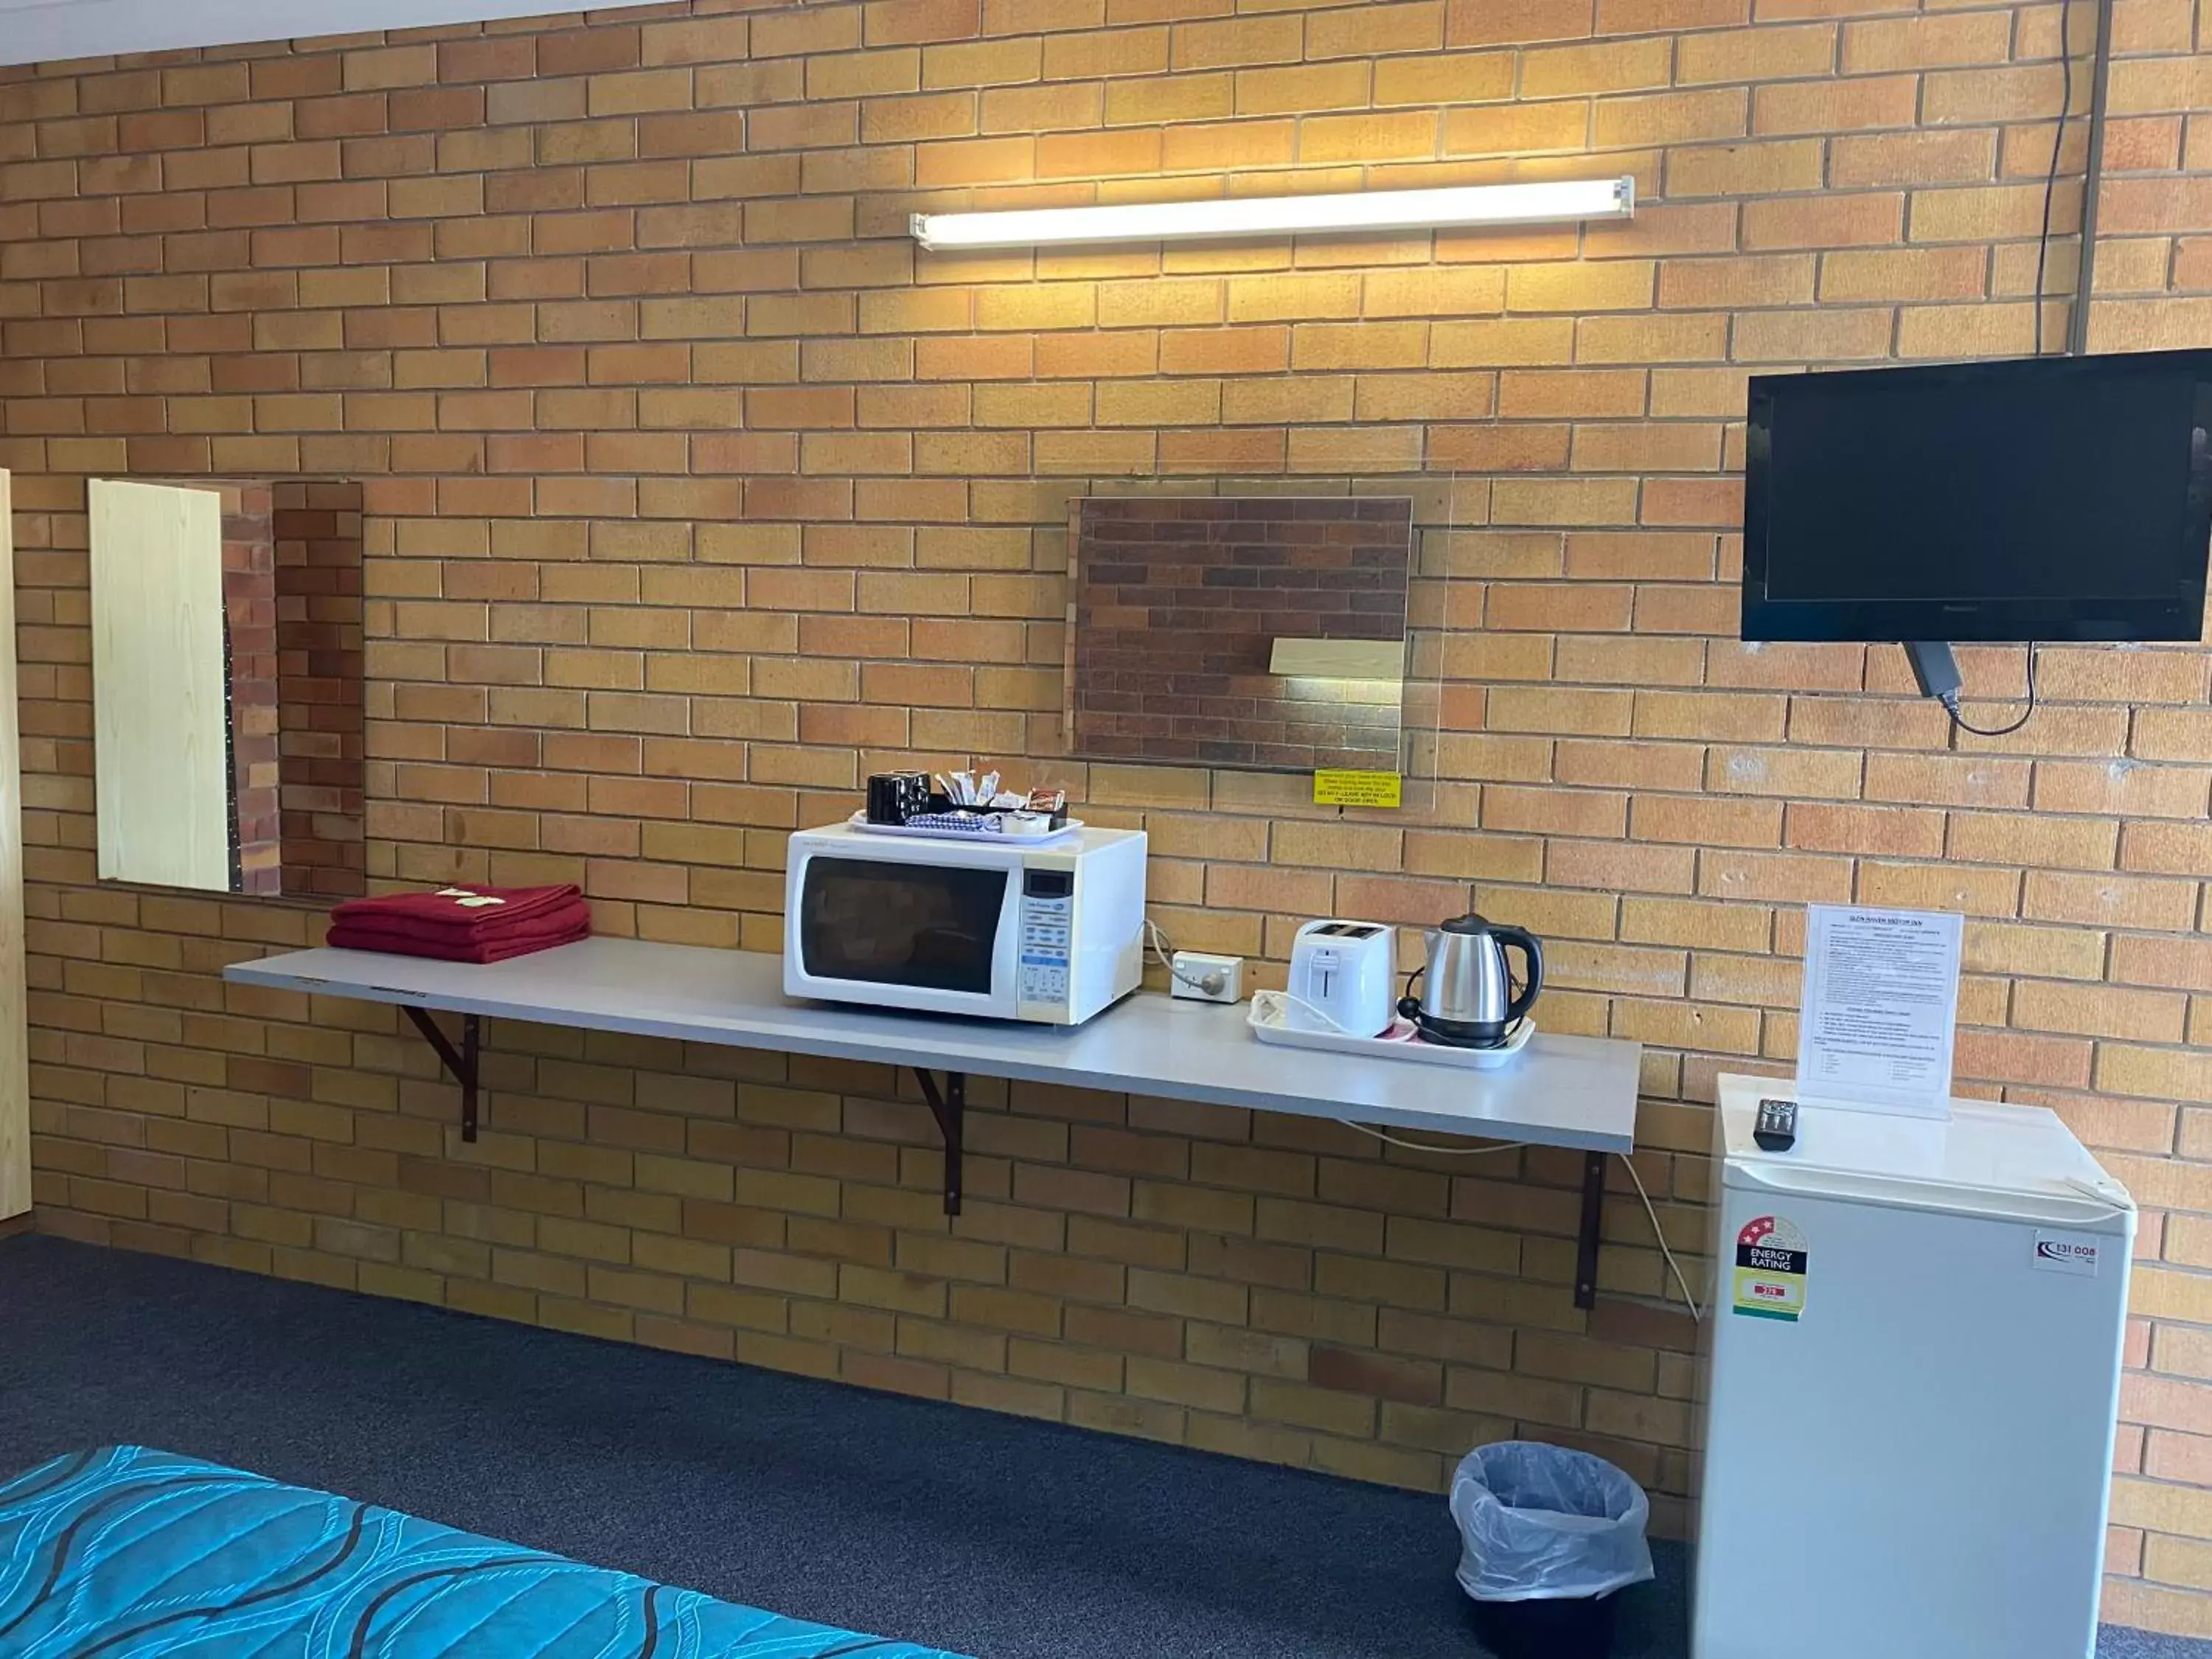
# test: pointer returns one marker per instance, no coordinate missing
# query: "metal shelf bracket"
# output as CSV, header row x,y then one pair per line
x,y
1588,1236
461,1062
950,1108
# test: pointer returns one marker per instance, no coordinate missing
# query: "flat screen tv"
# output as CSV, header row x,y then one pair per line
x,y
2050,498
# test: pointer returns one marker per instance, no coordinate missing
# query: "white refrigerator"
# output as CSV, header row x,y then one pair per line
x,y
1910,1378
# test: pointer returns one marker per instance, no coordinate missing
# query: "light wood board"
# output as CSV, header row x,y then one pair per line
x,y
1339,660
14,1028
159,697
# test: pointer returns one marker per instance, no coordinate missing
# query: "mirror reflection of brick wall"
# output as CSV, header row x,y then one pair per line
x,y
321,712
1178,604
249,603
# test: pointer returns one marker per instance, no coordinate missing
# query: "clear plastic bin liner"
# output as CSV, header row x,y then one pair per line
x,y
1540,1522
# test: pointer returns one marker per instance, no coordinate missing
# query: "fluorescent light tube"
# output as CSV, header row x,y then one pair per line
x,y
1276,215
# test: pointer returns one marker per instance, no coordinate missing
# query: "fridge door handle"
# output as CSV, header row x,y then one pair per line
x,y
2085,1207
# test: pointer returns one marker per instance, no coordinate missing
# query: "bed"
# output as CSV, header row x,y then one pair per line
x,y
126,1553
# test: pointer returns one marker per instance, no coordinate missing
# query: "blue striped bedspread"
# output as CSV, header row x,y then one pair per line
x,y
127,1553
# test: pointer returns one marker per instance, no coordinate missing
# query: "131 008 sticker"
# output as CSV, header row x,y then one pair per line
x,y
1769,1269
2068,1253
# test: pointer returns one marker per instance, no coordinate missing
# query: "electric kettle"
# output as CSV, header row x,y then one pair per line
x,y
1469,1001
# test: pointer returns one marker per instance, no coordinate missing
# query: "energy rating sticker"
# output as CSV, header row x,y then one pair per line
x,y
1345,789
1769,1269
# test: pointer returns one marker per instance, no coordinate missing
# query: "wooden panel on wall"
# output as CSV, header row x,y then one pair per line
x,y
14,1033
159,759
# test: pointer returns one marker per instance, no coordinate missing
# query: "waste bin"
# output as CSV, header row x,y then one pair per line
x,y
1548,1535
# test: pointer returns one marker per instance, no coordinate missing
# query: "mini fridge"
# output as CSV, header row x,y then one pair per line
x,y
1911,1377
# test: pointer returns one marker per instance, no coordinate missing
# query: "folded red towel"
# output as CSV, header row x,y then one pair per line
x,y
463,924
549,925
476,951
457,912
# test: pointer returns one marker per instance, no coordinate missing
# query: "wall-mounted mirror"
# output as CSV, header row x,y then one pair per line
x,y
228,715
1263,632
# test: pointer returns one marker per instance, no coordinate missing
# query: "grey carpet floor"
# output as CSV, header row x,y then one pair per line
x,y
989,1535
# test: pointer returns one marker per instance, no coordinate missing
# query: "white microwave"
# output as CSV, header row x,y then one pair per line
x,y
1051,932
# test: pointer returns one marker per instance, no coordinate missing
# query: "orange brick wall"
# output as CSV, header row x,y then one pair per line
x,y
694,494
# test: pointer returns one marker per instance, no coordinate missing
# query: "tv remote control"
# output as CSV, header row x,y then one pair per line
x,y
1775,1129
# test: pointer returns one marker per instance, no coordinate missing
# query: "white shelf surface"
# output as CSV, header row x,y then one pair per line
x,y
1577,1092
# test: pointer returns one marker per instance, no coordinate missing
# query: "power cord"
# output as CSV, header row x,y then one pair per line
x,y
1441,1151
1337,1026
1697,1315
1658,1233
1315,1009
1950,701
2050,179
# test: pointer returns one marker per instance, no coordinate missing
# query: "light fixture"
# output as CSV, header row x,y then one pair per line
x,y
1274,216
1338,659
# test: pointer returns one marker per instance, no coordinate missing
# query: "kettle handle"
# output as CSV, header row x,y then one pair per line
x,y
1532,951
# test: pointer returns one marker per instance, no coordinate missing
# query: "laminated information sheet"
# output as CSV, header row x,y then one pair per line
x,y
1881,1010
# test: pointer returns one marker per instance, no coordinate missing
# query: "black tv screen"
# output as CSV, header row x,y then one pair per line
x,y
2050,498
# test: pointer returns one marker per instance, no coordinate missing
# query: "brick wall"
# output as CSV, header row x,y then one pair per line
x,y
693,493
1178,603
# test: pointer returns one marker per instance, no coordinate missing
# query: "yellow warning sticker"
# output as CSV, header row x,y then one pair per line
x,y
1771,1259
1348,788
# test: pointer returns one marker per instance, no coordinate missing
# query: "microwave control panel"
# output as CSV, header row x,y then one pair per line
x,y
1047,910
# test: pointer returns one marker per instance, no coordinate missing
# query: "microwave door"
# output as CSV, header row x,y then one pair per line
x,y
919,935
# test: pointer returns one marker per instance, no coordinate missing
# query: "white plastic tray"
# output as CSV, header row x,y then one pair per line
x,y
988,837
1269,1020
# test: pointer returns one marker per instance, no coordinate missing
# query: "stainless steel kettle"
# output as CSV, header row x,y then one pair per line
x,y
1469,1000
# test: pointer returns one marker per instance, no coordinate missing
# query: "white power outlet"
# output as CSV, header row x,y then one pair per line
x,y
1203,978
